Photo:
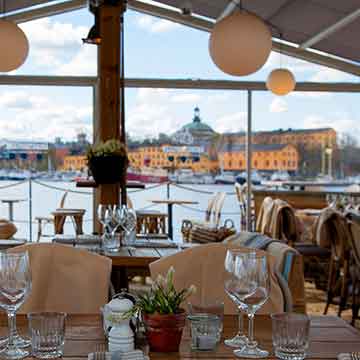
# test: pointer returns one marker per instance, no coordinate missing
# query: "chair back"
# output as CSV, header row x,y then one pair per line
x,y
203,266
66,279
354,241
263,220
62,201
217,207
283,224
210,206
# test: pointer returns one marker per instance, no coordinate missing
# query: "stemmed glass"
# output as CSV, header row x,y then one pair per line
x,y
239,339
104,213
251,290
129,224
15,284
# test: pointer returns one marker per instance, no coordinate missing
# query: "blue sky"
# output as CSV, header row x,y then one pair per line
x,y
157,48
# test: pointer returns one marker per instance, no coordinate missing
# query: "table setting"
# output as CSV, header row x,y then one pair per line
x,y
164,319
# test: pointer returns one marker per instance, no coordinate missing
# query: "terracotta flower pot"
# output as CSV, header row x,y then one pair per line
x,y
108,169
164,331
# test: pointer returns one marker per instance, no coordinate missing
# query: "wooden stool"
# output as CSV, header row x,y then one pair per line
x,y
76,215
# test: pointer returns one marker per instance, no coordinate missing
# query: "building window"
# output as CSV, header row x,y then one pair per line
x,y
267,163
255,163
275,163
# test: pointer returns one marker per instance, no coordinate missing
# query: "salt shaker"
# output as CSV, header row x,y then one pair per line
x,y
121,336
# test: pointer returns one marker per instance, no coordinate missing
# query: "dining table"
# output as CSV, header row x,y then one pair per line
x,y
170,203
134,260
329,336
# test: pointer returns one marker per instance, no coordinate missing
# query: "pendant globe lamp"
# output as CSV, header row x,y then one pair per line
x,y
281,81
14,46
240,43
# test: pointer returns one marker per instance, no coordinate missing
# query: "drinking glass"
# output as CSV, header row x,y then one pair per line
x,y
239,339
290,335
251,290
47,331
105,216
15,284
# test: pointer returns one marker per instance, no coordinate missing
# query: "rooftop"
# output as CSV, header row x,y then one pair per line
x,y
255,147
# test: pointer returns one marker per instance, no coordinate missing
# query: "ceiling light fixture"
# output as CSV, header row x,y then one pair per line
x,y
281,81
14,45
240,43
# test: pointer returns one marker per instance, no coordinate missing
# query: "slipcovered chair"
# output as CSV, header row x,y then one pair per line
x,y
289,264
331,232
354,268
277,219
203,266
66,279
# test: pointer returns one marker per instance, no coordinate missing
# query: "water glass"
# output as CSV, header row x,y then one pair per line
x,y
47,331
290,335
216,308
205,329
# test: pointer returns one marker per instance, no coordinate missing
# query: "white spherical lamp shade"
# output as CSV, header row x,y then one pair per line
x,y
240,43
14,46
281,81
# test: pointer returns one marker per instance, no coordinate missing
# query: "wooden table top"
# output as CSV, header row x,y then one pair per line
x,y
174,201
329,336
140,256
9,243
12,200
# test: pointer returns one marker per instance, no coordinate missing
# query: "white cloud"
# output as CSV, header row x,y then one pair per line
x,y
26,116
341,122
278,105
83,63
331,75
186,98
52,42
155,25
231,122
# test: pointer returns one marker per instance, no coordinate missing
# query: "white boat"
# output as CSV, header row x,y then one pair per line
x,y
187,176
225,178
256,178
280,176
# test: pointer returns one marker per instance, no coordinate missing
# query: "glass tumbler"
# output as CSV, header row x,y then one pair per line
x,y
47,331
204,331
215,308
290,335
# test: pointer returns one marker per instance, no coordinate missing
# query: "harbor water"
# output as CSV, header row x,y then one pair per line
x,y
46,197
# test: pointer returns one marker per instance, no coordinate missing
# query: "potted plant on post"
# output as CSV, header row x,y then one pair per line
x,y
108,162
162,314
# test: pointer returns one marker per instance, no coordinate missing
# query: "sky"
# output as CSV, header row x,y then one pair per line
x,y
157,48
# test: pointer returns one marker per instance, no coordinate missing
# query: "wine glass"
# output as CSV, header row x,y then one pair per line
x,y
239,339
105,216
15,284
129,226
251,290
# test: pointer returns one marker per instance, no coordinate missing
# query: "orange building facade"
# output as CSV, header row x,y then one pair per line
x,y
272,157
309,138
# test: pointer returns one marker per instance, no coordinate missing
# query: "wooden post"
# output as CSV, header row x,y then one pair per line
x,y
109,96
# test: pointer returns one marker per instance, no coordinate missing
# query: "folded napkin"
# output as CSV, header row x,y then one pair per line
x,y
344,356
118,355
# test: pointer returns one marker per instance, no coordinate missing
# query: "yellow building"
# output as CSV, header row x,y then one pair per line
x,y
172,158
308,138
74,163
271,157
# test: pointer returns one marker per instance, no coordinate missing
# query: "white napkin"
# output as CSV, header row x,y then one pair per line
x,y
344,356
117,355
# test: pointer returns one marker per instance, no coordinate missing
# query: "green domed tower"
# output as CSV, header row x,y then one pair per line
x,y
200,132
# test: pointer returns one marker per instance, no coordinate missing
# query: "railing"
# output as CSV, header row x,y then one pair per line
x,y
167,189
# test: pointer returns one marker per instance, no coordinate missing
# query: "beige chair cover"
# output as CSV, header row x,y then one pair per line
x,y
283,224
203,266
330,231
263,221
66,279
